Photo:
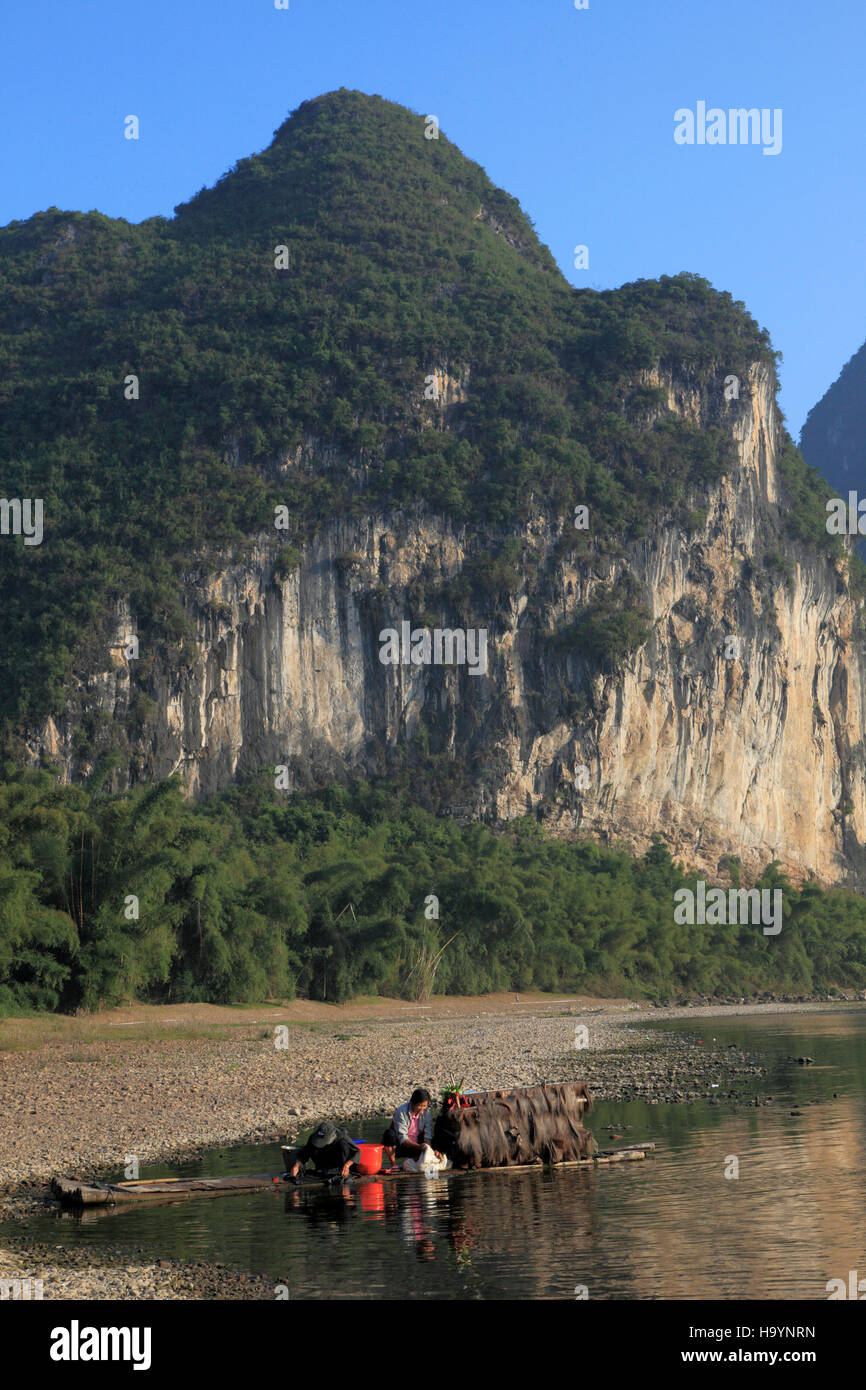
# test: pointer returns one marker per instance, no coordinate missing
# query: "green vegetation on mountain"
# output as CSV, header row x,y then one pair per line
x,y
612,626
403,260
148,896
806,515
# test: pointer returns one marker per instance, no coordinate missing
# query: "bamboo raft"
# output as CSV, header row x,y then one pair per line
x,y
629,1154
72,1192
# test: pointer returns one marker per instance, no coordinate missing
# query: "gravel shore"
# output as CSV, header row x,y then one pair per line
x,y
82,1108
66,1273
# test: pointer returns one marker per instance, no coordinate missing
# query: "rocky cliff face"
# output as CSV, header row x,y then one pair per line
x,y
735,729
834,435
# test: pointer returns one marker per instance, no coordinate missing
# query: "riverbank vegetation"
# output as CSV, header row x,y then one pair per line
x,y
147,896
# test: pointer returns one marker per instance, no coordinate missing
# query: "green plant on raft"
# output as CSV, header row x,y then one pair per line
x,y
454,1092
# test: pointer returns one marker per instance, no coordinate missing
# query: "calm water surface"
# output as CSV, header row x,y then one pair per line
x,y
671,1227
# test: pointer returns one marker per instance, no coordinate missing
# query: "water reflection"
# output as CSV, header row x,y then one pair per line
x,y
671,1227
464,1223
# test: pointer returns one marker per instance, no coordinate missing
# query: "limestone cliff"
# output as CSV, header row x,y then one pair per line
x,y
735,729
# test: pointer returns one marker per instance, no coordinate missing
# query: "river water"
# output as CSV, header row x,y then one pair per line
x,y
674,1226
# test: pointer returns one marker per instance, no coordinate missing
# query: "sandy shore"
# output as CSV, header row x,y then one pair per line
x,y
79,1096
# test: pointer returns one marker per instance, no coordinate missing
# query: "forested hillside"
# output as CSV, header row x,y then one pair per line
x,y
164,386
401,259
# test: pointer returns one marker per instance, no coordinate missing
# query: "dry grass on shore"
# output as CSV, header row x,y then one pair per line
x,y
154,1022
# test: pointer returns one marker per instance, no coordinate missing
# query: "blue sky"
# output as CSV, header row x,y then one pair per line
x,y
572,111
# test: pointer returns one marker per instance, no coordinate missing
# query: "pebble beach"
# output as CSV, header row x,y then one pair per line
x,y
81,1102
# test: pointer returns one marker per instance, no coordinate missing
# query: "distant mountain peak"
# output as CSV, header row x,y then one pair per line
x,y
833,439
328,158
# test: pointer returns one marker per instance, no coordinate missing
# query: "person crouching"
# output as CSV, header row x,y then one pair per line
x,y
411,1129
331,1150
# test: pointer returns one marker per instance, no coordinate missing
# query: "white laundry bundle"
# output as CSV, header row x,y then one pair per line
x,y
426,1163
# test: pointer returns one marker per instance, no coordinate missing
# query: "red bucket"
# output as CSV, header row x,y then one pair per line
x,y
371,1158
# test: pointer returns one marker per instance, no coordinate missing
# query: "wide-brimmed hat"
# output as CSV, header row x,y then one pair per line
x,y
324,1135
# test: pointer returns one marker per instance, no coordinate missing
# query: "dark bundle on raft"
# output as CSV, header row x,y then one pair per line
x,y
495,1129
